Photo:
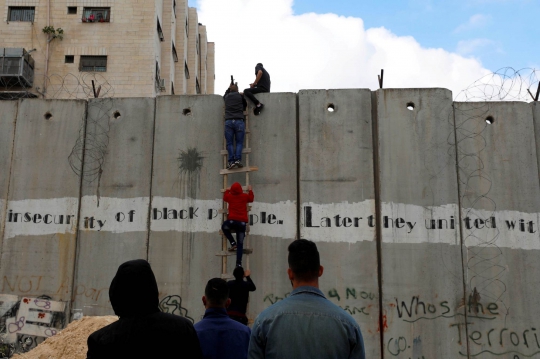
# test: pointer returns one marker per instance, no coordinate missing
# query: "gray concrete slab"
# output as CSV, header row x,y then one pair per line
x,y
421,267
38,251
273,143
337,184
8,118
115,194
536,116
500,196
186,197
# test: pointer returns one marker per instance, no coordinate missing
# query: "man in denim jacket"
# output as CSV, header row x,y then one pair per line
x,y
305,324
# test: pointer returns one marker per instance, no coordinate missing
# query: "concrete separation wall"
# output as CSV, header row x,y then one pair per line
x,y
274,212
419,219
186,198
426,216
115,196
500,207
8,117
337,197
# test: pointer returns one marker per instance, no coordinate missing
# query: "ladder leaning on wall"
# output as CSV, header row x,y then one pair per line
x,y
224,253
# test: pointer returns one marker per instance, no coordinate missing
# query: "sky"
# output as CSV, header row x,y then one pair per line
x,y
316,44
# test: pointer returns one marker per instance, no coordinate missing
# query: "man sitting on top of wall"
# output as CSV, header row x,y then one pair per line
x,y
261,84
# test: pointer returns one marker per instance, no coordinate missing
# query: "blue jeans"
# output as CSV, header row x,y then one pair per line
x,y
234,130
240,229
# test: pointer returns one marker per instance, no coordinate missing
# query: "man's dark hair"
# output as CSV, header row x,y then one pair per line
x,y
304,259
216,292
233,88
238,273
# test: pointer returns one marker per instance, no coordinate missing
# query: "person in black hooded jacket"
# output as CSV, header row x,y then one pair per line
x,y
142,331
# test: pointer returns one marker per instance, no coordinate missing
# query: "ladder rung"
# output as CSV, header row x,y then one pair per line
x,y
233,253
239,170
247,231
226,211
245,150
226,276
246,113
244,188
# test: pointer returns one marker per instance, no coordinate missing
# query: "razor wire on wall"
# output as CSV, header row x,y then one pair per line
x,y
485,262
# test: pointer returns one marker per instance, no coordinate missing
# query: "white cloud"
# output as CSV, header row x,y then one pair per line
x,y
466,47
475,22
314,51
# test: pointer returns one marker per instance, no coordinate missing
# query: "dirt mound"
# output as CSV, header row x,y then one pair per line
x,y
70,343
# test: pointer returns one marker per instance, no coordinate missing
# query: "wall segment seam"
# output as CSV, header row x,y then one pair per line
x,y
148,223
378,210
77,231
460,215
2,230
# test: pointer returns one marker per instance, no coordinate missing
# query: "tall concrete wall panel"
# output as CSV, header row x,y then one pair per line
x,y
337,197
8,119
273,216
186,198
500,198
115,194
536,114
419,222
38,250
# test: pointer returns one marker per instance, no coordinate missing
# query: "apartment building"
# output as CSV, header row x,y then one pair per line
x,y
135,48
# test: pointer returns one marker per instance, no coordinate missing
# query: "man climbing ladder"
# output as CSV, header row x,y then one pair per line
x,y
235,105
238,218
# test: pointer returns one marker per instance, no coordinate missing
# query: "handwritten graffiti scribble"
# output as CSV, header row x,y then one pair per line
x,y
173,304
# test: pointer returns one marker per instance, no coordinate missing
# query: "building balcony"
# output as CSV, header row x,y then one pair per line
x,y
16,68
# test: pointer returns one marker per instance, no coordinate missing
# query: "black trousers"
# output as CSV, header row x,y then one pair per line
x,y
253,90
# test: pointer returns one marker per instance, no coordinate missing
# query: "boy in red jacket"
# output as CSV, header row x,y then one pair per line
x,y
237,219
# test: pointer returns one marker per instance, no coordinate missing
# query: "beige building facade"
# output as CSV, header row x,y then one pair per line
x,y
129,48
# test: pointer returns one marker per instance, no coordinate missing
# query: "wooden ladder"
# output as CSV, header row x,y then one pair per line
x,y
224,253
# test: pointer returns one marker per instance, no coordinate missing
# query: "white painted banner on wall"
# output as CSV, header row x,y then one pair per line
x,y
334,222
408,223
33,217
338,222
116,215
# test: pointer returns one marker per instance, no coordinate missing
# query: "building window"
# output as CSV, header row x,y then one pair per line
x,y
197,86
186,70
198,41
21,13
160,85
160,31
172,88
93,63
174,8
187,27
96,14
72,10
69,59
174,54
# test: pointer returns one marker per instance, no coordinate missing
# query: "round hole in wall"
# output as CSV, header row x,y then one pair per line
x,y
187,112
331,107
410,106
490,120
116,114
47,116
